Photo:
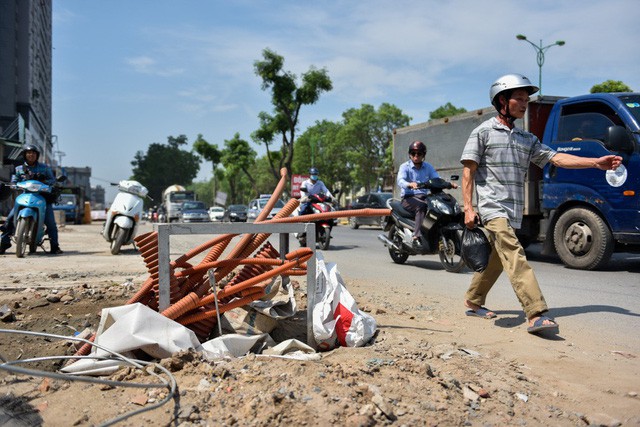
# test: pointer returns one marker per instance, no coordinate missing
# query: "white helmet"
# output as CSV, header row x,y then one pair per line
x,y
510,82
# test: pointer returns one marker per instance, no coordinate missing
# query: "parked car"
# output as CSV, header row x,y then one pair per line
x,y
369,201
235,213
256,206
216,213
193,211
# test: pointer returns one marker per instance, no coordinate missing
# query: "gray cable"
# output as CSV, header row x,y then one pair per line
x,y
171,384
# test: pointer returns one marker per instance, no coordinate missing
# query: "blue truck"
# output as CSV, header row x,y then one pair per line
x,y
582,215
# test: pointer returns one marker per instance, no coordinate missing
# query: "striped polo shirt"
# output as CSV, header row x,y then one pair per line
x,y
503,156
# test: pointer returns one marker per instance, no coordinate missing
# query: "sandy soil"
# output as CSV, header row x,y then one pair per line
x,y
428,364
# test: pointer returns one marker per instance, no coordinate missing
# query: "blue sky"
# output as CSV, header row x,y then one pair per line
x,y
130,73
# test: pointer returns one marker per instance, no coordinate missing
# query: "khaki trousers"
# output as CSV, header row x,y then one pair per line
x,y
507,255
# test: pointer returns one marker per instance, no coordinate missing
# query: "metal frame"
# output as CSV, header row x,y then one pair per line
x,y
165,231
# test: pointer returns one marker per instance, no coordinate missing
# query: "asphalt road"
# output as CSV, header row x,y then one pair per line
x,y
605,304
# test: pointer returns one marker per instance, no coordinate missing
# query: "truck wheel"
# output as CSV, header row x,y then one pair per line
x,y
449,253
353,223
118,240
582,239
23,235
399,257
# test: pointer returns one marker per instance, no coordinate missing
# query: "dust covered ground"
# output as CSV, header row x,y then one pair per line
x,y
427,365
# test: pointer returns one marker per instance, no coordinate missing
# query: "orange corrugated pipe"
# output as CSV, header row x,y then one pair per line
x,y
189,319
222,239
333,214
229,290
142,292
274,196
225,262
251,242
182,306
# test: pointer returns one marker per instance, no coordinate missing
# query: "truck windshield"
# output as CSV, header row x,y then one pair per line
x,y
180,197
633,104
193,205
67,199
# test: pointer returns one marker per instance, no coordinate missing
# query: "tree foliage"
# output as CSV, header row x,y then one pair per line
x,y
446,110
368,134
610,86
211,153
164,165
239,160
319,146
287,98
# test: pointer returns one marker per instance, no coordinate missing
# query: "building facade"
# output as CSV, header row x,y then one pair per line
x,y
25,82
25,78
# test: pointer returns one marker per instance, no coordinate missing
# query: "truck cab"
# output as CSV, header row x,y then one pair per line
x,y
592,212
68,203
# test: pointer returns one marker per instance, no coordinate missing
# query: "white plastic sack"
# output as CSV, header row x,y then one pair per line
x,y
234,345
336,317
280,302
134,327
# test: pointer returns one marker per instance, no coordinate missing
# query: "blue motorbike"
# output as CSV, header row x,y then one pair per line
x,y
29,213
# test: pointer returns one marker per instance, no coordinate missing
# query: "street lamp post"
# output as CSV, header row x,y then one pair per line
x,y
540,50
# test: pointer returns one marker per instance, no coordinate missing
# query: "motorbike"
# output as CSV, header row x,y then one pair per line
x,y
319,204
29,212
441,229
121,223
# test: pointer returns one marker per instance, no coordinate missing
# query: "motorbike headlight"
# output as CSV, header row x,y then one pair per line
x,y
442,207
32,186
456,209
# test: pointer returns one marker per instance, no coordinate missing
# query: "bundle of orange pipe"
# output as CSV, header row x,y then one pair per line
x,y
192,302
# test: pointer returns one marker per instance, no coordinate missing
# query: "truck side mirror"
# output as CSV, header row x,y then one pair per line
x,y
618,139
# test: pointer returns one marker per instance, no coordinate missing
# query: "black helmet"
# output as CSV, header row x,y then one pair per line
x,y
314,171
419,147
30,147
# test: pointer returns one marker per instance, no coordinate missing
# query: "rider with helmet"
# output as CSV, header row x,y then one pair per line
x,y
313,186
495,162
32,169
414,171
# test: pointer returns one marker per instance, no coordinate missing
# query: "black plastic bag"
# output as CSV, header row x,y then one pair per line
x,y
476,249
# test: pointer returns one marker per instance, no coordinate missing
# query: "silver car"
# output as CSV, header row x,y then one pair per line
x,y
256,206
194,211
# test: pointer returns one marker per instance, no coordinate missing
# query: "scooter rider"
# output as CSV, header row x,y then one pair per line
x,y
32,169
414,171
313,186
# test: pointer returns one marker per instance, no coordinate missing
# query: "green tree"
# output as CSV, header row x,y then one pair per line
x,y
446,110
211,153
238,158
610,86
319,146
287,98
164,165
368,134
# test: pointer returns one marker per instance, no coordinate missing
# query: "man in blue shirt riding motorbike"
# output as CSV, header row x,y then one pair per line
x,y
32,169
